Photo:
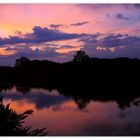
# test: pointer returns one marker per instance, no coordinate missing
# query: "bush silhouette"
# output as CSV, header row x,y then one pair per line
x,y
11,123
21,61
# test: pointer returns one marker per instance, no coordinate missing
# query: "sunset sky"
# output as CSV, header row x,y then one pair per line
x,y
56,31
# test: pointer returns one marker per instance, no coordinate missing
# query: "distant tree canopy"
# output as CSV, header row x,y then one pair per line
x,y
80,56
21,61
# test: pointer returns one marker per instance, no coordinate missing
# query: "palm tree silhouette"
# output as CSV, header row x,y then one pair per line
x,y
11,123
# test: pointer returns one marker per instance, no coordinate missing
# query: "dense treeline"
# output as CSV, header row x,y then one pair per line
x,y
83,77
81,70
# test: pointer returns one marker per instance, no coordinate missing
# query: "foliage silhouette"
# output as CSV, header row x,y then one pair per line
x,y
84,78
80,56
11,123
21,61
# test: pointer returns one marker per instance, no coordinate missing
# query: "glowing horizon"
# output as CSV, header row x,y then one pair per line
x,y
56,31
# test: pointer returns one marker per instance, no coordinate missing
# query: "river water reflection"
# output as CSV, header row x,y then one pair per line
x,y
62,115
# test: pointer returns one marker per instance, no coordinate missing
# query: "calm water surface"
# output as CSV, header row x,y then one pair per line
x,y
62,116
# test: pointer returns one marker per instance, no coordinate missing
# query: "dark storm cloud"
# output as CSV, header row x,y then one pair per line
x,y
106,41
49,54
112,40
39,35
44,35
122,16
123,44
92,38
13,40
95,6
67,46
79,23
137,5
120,40
28,52
56,26
131,6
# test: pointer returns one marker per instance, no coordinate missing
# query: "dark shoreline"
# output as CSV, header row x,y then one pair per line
x,y
92,79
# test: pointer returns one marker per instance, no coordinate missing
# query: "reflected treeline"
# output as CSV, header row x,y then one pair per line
x,y
11,123
124,96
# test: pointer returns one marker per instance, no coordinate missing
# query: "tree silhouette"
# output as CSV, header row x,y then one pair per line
x,y
80,56
11,123
81,102
21,61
